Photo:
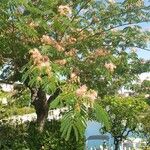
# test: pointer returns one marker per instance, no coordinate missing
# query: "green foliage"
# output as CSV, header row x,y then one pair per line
x,y
48,82
73,122
25,136
98,31
8,111
145,123
101,115
3,107
77,113
124,114
89,39
17,104
143,88
21,98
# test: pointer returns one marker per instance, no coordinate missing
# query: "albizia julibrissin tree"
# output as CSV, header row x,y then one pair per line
x,y
72,50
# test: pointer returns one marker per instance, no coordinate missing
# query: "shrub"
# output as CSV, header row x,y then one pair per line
x,y
25,136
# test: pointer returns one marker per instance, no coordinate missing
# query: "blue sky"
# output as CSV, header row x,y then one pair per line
x,y
143,53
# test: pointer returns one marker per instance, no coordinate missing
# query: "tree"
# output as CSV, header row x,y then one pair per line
x,y
14,102
124,115
55,47
144,119
142,90
146,128
25,136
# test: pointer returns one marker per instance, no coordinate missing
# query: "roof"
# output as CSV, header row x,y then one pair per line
x,y
98,137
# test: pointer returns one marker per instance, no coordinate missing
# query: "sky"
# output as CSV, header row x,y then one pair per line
x,y
143,53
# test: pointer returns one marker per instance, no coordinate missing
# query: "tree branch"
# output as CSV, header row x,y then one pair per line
x,y
54,95
99,33
124,129
74,17
79,11
146,49
133,129
122,13
85,28
6,82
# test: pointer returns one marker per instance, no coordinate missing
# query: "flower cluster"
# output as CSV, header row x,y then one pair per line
x,y
81,34
81,92
92,95
39,60
110,66
85,93
71,40
68,40
59,47
49,41
100,52
64,10
35,56
61,62
71,53
33,24
74,77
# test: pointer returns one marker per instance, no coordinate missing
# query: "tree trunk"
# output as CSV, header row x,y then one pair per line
x,y
116,143
42,114
41,106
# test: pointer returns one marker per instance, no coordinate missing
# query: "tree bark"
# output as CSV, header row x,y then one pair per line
x,y
41,106
116,143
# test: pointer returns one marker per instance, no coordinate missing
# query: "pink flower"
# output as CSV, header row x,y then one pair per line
x,y
101,52
92,95
73,75
71,40
110,66
64,10
81,91
71,53
33,24
61,61
47,40
44,64
59,47
35,54
39,60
